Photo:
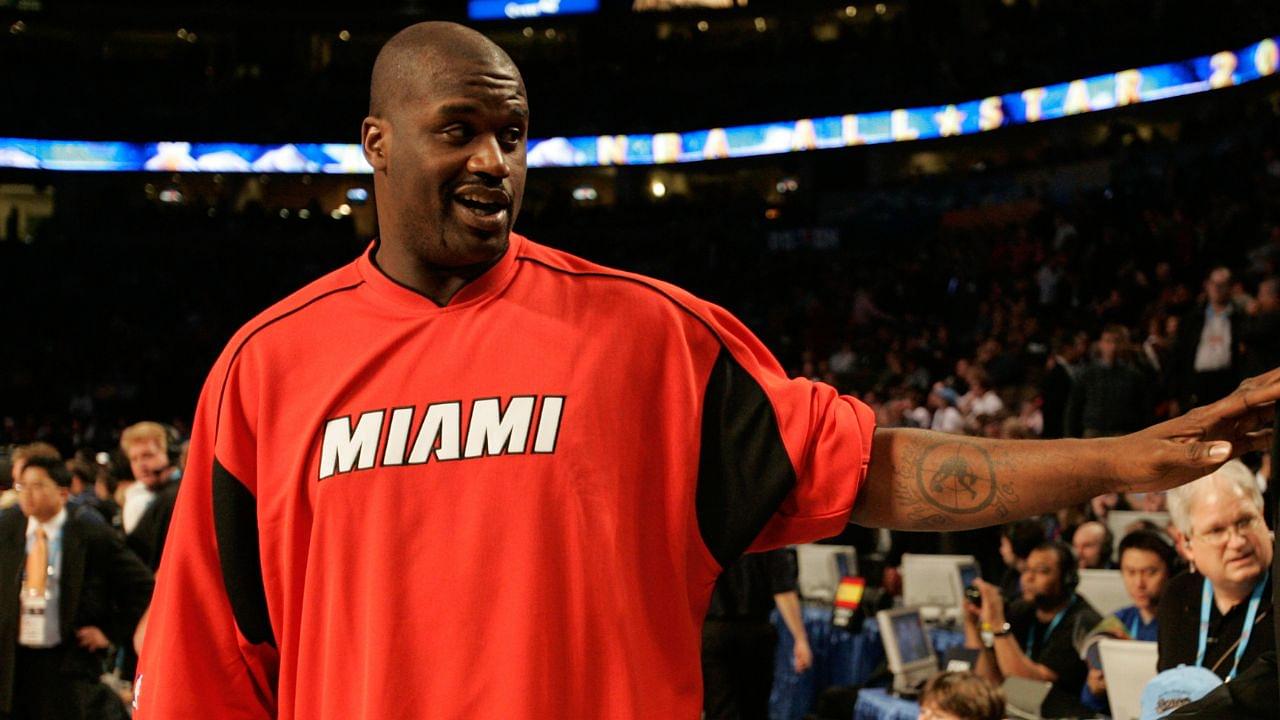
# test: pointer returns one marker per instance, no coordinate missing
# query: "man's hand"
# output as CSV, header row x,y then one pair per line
x,y
1097,683
992,612
92,638
802,656
1195,444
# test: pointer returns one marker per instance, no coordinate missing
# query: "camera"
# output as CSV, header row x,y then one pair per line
x,y
973,595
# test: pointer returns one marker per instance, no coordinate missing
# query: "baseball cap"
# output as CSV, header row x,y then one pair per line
x,y
1174,688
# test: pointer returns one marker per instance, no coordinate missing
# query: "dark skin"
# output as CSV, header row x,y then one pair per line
x,y
448,118
446,139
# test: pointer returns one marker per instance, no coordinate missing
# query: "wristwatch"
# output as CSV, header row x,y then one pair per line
x,y
989,635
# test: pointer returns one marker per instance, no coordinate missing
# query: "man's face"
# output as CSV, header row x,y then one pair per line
x,y
39,496
1108,345
149,462
1087,543
1041,578
453,153
1229,541
1218,286
1144,574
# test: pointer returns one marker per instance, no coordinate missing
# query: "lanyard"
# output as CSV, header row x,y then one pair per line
x,y
1206,600
1031,636
1133,626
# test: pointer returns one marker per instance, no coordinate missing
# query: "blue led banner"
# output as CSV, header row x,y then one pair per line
x,y
517,9
1101,92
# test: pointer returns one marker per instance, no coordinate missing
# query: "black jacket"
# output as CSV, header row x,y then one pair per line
x,y
147,538
1183,360
102,584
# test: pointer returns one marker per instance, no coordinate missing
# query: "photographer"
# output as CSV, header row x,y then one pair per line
x,y
1036,638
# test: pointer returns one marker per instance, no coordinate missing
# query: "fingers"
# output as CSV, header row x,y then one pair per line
x,y
1206,454
1260,389
1258,440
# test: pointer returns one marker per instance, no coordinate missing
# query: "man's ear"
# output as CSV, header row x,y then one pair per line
x,y
374,141
1183,545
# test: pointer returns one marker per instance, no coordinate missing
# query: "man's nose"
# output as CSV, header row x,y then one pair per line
x,y
1237,541
488,158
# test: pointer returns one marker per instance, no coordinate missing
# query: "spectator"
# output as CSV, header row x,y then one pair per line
x,y
1147,562
1036,639
1061,372
83,500
960,696
1207,355
738,641
1111,396
946,418
81,590
1093,544
1217,616
146,445
1016,543
18,459
981,401
104,488
1261,331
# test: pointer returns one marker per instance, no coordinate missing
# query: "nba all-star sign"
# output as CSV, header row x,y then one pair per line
x,y
1092,94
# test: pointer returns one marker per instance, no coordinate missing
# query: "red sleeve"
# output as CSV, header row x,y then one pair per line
x,y
782,459
209,649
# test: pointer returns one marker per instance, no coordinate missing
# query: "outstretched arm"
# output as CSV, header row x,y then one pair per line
x,y
922,480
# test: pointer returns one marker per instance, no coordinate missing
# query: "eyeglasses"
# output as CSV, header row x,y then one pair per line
x,y
1218,536
23,487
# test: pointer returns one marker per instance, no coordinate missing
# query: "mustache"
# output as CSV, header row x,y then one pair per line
x,y
481,181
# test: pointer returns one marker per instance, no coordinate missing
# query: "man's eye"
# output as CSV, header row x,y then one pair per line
x,y
511,135
457,132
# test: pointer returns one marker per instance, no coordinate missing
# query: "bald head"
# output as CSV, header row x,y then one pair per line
x,y
1092,545
446,138
418,54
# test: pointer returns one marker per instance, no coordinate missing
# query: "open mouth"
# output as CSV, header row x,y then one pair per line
x,y
480,207
483,209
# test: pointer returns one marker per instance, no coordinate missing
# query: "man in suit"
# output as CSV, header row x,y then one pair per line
x,y
68,589
1207,362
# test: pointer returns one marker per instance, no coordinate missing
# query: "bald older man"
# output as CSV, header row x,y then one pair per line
x,y
1092,544
469,476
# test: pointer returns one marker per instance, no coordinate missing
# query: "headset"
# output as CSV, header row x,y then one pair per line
x,y
1066,564
172,444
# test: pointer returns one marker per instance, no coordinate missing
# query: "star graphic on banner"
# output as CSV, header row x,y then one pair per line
x,y
949,121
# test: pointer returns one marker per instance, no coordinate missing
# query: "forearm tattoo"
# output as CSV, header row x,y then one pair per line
x,y
950,483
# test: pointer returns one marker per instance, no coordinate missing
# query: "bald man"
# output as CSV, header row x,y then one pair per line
x,y
1092,544
469,476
